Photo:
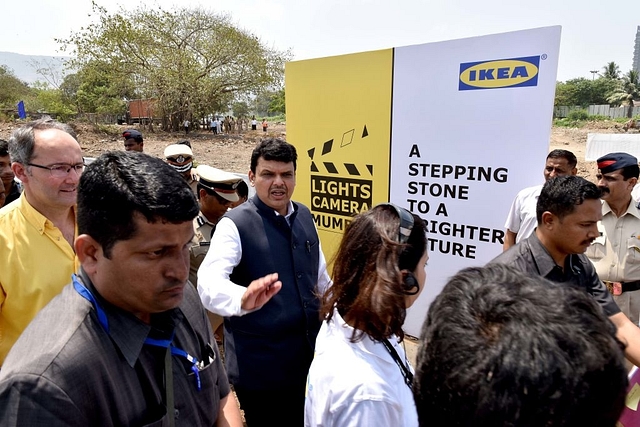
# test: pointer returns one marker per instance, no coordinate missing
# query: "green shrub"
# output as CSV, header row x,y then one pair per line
x,y
576,115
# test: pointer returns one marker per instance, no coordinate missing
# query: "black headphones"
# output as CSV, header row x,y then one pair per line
x,y
409,283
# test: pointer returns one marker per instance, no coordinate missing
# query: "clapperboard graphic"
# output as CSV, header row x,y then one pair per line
x,y
341,187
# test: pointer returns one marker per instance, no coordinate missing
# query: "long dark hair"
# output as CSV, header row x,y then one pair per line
x,y
368,287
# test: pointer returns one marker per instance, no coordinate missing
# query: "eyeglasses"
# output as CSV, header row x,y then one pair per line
x,y
62,170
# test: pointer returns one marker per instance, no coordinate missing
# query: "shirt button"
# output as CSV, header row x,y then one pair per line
x,y
299,275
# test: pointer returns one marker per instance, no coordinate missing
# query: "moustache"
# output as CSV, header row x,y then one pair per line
x,y
604,190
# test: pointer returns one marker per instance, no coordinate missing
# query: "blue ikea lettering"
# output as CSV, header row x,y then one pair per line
x,y
500,73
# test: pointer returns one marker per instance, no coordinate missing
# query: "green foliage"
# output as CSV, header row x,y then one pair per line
x,y
51,101
269,103
240,109
12,89
611,71
193,61
578,115
94,89
626,90
277,103
584,92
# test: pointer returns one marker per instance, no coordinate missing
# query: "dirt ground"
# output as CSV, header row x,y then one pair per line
x,y
229,152
232,152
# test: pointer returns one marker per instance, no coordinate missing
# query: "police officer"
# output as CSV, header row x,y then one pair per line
x,y
133,140
616,252
216,191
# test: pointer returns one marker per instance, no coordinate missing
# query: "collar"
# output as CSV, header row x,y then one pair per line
x,y
366,344
127,331
292,209
34,217
201,220
632,209
542,259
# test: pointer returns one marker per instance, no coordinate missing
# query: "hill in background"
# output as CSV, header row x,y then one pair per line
x,y
24,66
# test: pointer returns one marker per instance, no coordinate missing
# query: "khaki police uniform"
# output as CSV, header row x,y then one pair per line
x,y
223,184
616,256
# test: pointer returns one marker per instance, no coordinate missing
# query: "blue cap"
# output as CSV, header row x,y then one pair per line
x,y
614,161
132,134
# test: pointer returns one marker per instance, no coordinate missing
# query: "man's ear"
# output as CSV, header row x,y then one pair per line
x,y
89,252
20,171
574,171
548,220
632,182
252,177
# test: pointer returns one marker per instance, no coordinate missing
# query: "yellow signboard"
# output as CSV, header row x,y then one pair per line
x,y
339,119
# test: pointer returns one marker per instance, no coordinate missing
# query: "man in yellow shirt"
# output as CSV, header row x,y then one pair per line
x,y
38,230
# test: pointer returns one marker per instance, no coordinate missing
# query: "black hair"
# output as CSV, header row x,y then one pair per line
x,y
564,154
499,348
274,149
560,195
4,148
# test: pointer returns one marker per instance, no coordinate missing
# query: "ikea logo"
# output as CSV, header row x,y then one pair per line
x,y
501,73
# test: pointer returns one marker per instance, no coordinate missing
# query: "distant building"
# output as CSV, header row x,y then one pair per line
x,y
636,52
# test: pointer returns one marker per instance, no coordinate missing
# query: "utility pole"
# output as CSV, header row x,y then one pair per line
x,y
593,74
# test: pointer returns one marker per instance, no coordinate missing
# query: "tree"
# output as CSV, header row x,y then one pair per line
x,y
611,71
583,91
240,109
626,91
12,89
50,100
191,60
277,103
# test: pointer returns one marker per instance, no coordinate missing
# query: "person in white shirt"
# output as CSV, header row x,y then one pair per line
x,y
360,375
263,272
522,219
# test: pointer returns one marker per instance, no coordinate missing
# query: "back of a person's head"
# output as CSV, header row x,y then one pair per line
x,y
368,279
121,184
502,349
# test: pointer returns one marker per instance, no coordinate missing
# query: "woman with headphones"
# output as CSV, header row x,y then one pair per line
x,y
360,375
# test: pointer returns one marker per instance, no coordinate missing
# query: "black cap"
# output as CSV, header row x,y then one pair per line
x,y
614,161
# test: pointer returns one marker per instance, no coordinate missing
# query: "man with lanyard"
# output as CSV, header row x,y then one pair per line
x,y
568,212
127,342
616,251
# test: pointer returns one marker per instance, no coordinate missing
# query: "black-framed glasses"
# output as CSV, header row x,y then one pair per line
x,y
61,170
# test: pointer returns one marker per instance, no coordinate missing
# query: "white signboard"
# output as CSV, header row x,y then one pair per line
x,y
471,121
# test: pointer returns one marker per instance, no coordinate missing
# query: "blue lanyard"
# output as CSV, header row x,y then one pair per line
x,y
102,318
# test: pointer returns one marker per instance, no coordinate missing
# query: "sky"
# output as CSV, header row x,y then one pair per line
x,y
593,32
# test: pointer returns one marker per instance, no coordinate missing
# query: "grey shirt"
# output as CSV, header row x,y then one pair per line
x,y
66,369
531,257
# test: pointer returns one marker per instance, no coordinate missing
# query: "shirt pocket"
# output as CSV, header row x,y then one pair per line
x,y
633,250
598,249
